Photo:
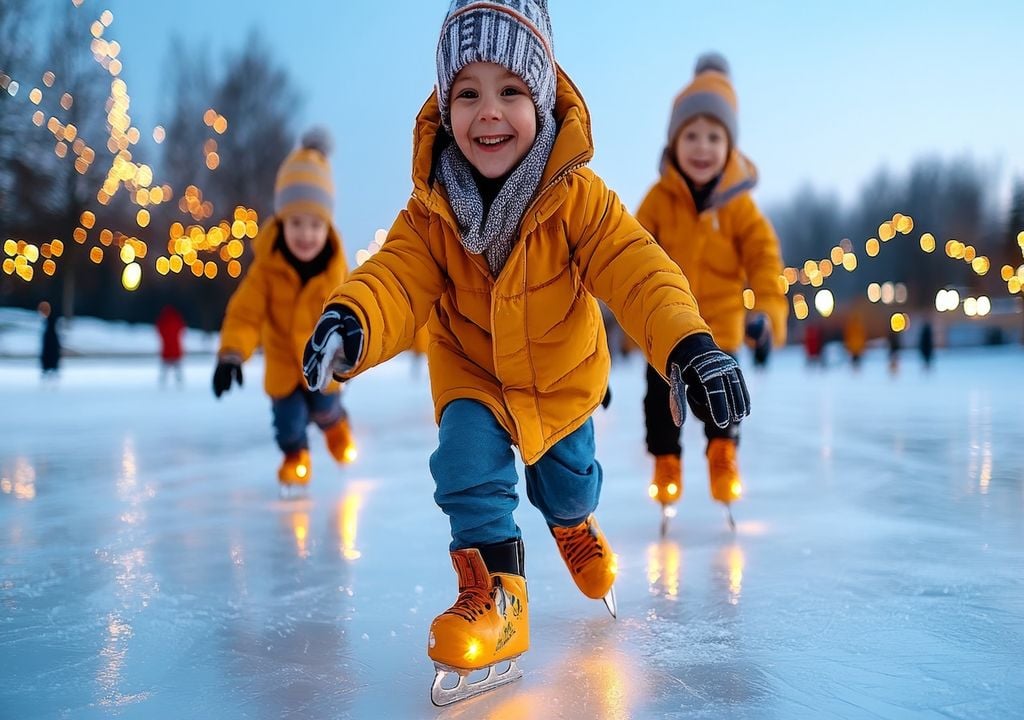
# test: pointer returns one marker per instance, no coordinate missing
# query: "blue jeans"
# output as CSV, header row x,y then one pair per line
x,y
292,414
475,476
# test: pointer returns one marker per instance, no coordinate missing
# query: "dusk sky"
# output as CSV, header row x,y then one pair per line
x,y
828,93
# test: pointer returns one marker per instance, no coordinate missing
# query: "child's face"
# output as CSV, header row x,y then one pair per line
x,y
702,149
493,118
305,234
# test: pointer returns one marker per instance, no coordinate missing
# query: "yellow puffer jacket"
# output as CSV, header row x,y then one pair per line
x,y
273,309
529,344
725,249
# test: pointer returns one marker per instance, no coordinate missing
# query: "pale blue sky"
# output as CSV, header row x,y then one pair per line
x,y
828,92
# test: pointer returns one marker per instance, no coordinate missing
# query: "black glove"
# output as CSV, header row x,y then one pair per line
x,y
333,348
228,367
758,334
709,379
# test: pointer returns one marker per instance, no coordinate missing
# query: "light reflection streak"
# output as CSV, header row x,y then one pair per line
x,y
348,519
663,563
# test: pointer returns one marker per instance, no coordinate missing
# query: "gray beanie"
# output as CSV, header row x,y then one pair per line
x,y
515,34
709,93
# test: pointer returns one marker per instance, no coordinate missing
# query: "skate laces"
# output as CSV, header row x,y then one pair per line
x,y
471,604
579,545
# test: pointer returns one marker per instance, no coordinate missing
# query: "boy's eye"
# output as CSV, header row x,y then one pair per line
x,y
510,91
467,94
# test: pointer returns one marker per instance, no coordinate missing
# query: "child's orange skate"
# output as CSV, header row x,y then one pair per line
x,y
340,441
724,474
489,623
590,559
295,472
667,486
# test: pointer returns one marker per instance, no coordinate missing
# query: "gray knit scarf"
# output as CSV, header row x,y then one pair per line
x,y
493,235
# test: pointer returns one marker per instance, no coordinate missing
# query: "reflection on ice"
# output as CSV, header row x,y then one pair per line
x,y
663,561
348,519
22,481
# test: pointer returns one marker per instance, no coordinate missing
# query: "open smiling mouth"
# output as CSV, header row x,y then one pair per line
x,y
493,141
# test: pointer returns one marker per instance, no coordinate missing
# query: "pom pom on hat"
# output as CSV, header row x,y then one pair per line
x,y
711,61
304,182
318,138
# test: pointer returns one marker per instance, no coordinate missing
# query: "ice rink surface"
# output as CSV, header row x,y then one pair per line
x,y
149,570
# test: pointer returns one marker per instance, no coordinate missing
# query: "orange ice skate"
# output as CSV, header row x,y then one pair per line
x,y
590,559
488,625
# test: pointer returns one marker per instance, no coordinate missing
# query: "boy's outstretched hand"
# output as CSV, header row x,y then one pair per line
x,y
229,367
709,379
334,347
757,334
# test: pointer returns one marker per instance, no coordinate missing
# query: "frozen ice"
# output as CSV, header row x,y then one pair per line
x,y
148,568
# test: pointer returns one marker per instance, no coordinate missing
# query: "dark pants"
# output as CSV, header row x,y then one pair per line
x,y
663,437
293,413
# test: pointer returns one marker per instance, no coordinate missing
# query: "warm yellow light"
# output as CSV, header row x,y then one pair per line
x,y
96,255
131,276
162,265
970,253
472,649
736,488
849,262
57,247
362,255
905,225
49,267
1013,285
301,470
220,124
251,229
10,247
106,237
791,275
871,247
836,255
142,217
898,322
175,263
351,453
35,95
9,266
970,307
800,310
210,270
981,265
748,299
209,116
234,268
824,302
984,306
127,254
31,253
652,489
886,232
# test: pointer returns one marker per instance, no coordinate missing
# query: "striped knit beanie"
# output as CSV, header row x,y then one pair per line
x,y
710,93
515,34
304,180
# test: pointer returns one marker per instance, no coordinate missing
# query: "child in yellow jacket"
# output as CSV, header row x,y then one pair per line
x,y
701,213
504,246
298,260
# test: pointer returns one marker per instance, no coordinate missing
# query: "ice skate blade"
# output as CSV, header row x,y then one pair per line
x,y
441,696
611,604
729,518
293,492
667,513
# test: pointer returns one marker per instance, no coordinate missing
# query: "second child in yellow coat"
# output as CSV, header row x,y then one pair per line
x,y
298,259
701,213
505,244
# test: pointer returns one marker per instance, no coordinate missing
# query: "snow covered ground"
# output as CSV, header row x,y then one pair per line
x,y
148,570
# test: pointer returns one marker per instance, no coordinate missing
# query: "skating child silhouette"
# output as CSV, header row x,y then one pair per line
x,y
503,248
298,259
701,213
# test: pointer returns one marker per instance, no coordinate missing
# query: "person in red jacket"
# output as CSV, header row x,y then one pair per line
x,y
170,326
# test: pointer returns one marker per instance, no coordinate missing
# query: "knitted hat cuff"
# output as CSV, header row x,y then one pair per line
x,y
703,103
